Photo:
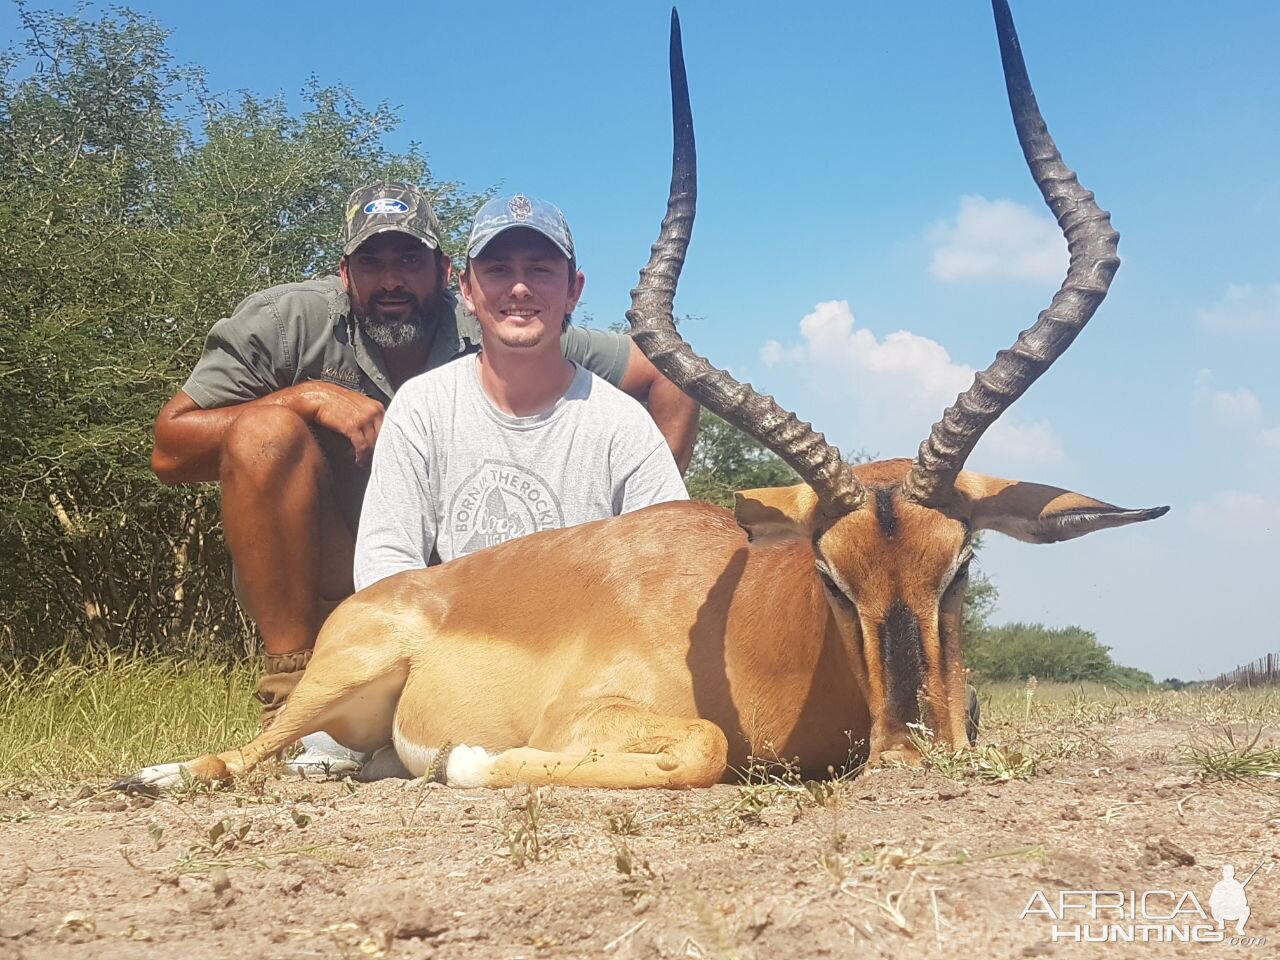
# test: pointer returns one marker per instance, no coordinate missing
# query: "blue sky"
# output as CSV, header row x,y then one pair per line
x,y
868,235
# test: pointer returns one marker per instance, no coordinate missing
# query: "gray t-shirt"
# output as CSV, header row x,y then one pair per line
x,y
453,474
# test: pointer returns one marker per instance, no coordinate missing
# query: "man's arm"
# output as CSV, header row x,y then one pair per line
x,y
189,438
398,520
248,361
674,411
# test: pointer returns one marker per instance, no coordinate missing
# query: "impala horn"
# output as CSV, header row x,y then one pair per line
x,y
653,327
1091,241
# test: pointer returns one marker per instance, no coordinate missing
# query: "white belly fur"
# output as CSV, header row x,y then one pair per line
x,y
416,759
467,767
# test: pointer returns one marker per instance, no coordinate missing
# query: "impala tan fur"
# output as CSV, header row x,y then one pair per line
x,y
662,647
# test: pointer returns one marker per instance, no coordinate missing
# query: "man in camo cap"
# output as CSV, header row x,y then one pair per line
x,y
286,402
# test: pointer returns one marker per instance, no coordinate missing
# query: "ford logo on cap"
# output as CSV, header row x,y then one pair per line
x,y
386,205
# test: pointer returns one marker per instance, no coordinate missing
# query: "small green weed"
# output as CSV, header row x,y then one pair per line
x,y
769,780
527,837
916,855
984,762
1226,757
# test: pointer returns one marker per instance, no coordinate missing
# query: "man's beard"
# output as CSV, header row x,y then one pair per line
x,y
391,332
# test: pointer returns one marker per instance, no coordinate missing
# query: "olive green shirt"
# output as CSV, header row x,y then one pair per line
x,y
305,331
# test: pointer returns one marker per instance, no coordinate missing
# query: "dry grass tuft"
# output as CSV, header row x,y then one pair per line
x,y
63,720
1223,756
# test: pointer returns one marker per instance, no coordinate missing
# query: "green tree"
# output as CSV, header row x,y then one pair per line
x,y
726,460
1016,651
135,209
979,600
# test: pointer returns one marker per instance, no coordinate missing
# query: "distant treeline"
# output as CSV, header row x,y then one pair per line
x,y
1016,651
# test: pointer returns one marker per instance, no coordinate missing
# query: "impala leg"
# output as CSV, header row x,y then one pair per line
x,y
351,693
615,744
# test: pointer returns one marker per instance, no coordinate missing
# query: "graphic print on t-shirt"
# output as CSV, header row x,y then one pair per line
x,y
500,501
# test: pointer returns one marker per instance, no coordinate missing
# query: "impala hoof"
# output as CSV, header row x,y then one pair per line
x,y
152,780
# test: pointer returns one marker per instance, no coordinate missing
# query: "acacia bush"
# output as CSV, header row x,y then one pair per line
x,y
726,460
136,208
1016,651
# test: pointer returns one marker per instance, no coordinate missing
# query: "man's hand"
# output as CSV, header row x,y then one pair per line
x,y
345,412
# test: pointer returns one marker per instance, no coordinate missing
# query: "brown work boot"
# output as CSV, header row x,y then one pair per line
x,y
280,674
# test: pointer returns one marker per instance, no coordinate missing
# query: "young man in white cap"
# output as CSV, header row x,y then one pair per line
x,y
518,438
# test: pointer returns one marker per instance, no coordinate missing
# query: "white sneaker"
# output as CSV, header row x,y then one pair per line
x,y
322,756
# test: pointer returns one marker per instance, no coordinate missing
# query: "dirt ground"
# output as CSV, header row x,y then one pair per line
x,y
892,863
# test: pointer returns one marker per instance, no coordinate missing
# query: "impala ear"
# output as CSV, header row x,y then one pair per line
x,y
1037,513
775,512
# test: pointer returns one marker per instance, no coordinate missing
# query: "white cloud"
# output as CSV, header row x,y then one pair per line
x,y
1229,407
902,381
1237,409
1034,443
924,364
1245,308
774,353
997,239
1238,517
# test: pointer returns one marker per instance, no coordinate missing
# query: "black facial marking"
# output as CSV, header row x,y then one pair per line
x,y
885,515
902,660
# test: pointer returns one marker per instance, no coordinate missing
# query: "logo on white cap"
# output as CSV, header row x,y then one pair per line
x,y
520,207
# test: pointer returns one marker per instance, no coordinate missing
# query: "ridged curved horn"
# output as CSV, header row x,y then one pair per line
x,y
653,327
1091,241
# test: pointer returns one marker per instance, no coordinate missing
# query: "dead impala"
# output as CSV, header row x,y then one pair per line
x,y
660,648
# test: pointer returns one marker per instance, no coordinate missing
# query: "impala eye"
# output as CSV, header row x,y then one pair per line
x,y
829,584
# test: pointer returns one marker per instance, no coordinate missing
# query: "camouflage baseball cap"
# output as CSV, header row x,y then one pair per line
x,y
389,205
503,213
